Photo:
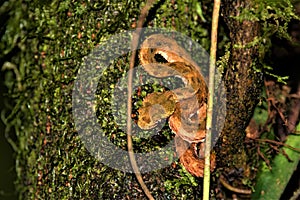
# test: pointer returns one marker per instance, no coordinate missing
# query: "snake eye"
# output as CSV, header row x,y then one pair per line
x,y
159,58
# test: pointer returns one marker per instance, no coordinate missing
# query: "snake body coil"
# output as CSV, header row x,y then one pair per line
x,y
185,107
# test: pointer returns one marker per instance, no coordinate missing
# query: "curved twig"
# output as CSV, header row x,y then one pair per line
x,y
278,143
134,44
233,189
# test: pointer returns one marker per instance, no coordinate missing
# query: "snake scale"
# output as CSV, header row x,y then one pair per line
x,y
185,107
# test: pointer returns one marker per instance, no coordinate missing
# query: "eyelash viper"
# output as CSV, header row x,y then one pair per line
x,y
185,107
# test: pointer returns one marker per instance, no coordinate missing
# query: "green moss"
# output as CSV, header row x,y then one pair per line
x,y
53,38
46,42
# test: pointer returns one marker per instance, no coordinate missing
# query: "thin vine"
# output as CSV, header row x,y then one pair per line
x,y
134,44
213,50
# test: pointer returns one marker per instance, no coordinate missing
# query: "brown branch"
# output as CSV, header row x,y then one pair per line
x,y
286,155
278,143
134,44
267,161
233,189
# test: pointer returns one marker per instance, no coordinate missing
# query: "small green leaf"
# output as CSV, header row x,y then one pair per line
x,y
199,11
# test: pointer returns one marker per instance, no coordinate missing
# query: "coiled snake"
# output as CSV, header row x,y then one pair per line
x,y
185,107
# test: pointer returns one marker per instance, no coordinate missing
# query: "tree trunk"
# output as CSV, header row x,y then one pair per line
x,y
243,84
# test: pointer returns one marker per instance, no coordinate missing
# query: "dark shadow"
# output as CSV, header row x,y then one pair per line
x,y
7,166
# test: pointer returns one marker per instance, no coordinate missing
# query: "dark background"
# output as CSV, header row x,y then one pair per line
x,y
7,169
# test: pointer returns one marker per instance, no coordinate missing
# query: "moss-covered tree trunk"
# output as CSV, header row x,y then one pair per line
x,y
242,81
43,45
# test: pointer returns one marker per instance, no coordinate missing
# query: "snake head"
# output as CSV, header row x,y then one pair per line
x,y
145,121
156,107
151,115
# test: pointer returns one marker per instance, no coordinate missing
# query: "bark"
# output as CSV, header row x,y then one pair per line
x,y
243,84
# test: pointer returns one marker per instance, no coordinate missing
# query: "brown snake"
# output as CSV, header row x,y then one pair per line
x,y
185,107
